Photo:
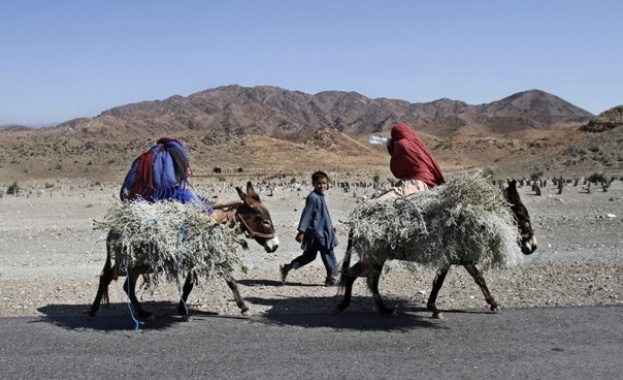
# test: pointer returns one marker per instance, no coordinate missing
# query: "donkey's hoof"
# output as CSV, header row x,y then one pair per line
x,y
388,312
246,312
182,310
91,314
437,315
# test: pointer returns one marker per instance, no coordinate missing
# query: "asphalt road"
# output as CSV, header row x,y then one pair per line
x,y
545,343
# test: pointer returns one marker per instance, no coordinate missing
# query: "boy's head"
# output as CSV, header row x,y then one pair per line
x,y
320,181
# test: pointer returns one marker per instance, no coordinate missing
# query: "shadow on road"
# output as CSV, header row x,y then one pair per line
x,y
309,312
353,321
115,317
322,312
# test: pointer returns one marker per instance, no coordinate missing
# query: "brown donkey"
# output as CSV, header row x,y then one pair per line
x,y
371,266
255,222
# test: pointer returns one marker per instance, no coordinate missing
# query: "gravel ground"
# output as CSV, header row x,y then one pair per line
x,y
50,259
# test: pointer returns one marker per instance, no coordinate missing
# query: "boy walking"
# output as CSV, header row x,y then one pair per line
x,y
315,232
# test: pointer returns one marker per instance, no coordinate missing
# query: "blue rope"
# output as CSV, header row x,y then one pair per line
x,y
180,237
137,323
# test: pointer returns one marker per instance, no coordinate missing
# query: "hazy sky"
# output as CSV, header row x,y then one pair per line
x,y
61,59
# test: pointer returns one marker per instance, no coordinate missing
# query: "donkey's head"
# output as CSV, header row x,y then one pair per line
x,y
255,219
528,240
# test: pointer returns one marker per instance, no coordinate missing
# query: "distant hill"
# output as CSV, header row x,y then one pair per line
x,y
13,127
606,120
268,129
272,111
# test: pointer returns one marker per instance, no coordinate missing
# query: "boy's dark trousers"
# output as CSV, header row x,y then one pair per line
x,y
326,254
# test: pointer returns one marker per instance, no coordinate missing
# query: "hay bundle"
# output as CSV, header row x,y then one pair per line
x,y
465,221
172,239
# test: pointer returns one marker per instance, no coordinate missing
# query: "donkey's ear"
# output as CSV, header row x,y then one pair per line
x,y
251,192
241,194
510,193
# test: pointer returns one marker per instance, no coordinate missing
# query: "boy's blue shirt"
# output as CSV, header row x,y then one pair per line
x,y
316,222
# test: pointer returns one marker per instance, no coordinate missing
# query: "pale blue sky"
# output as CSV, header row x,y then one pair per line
x,y
61,59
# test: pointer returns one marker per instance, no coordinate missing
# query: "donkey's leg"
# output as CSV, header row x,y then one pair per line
x,y
480,280
437,284
233,285
347,279
130,289
374,276
190,282
346,260
102,290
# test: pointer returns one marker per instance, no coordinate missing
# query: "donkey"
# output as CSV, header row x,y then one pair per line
x,y
255,222
371,267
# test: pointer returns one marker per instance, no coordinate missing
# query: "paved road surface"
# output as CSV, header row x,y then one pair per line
x,y
563,343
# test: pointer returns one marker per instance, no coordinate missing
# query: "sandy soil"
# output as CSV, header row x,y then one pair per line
x,y
51,257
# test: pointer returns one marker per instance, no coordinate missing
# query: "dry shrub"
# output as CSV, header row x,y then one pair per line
x,y
465,221
174,238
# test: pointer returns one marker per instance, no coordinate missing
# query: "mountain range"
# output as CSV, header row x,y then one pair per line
x,y
271,129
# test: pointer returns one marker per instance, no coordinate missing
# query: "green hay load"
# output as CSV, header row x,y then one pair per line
x,y
173,239
465,221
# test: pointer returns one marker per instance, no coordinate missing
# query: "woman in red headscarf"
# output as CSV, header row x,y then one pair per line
x,y
411,163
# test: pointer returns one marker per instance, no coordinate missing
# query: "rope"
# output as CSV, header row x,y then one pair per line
x,y
137,323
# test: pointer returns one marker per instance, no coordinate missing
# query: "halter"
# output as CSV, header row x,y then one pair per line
x,y
233,215
253,234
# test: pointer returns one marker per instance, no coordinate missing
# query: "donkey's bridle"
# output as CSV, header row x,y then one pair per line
x,y
235,215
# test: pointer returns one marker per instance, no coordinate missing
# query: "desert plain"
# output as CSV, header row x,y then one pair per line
x,y
51,257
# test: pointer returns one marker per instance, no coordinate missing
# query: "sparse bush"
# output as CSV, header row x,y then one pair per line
x,y
597,178
376,179
488,172
13,189
536,175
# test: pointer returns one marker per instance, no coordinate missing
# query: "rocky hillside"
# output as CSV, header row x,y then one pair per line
x,y
610,119
272,111
272,130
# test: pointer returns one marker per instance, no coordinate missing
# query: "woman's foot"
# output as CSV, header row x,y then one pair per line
x,y
331,281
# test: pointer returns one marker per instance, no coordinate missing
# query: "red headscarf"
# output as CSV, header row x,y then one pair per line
x,y
410,158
